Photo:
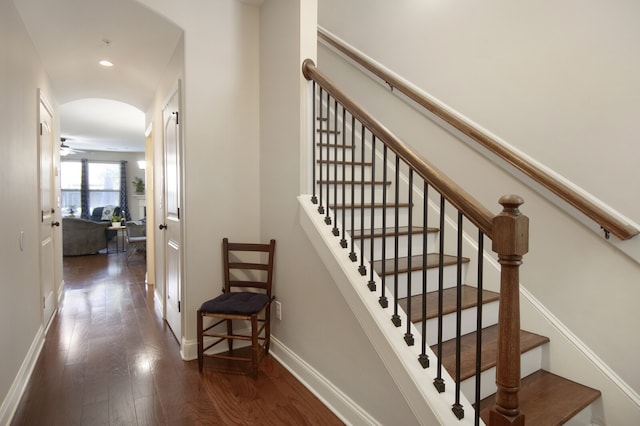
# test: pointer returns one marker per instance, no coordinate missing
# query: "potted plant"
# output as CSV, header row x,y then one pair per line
x,y
138,184
116,221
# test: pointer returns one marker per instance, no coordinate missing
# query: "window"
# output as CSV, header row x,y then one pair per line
x,y
104,186
70,182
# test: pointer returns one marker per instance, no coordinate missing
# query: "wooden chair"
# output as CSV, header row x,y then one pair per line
x,y
246,297
136,239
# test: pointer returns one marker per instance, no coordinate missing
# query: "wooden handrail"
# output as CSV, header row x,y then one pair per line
x,y
607,221
458,197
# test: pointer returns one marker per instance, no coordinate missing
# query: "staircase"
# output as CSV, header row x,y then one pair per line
x,y
371,215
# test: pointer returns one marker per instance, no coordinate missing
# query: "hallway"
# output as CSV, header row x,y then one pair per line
x,y
109,359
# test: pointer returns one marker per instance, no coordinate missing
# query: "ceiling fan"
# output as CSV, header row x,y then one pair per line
x,y
66,149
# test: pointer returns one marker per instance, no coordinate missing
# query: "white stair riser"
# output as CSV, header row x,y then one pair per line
x,y
357,172
449,280
377,222
358,197
403,245
530,362
582,418
336,155
469,318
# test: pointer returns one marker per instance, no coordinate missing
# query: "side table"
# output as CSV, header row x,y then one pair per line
x,y
119,237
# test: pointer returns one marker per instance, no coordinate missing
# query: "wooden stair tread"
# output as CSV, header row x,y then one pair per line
x,y
348,182
346,163
367,206
449,296
390,232
547,399
334,145
528,341
416,263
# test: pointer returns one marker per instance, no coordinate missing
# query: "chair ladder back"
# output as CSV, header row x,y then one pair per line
x,y
228,247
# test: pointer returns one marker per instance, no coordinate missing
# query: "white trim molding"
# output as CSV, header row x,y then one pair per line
x,y
331,396
11,401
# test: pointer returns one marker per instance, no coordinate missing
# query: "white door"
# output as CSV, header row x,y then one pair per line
x,y
171,221
47,218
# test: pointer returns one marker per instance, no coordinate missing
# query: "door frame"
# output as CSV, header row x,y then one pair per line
x,y
53,216
161,255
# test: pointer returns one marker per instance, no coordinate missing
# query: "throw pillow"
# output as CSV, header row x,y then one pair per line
x,y
107,212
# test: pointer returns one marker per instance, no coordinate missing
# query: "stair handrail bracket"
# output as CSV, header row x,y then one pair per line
x,y
511,242
508,230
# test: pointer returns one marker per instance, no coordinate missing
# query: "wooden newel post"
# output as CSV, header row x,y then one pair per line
x,y
511,242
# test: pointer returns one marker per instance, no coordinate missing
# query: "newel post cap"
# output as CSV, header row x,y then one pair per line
x,y
511,228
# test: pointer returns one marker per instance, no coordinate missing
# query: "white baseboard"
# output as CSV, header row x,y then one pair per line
x,y
11,401
189,350
337,401
60,292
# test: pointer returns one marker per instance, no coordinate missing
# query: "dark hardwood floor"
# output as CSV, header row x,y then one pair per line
x,y
109,359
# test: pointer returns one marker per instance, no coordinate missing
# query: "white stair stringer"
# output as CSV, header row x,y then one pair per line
x,y
415,383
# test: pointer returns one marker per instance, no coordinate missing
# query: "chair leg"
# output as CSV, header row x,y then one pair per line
x,y
267,330
254,345
229,333
200,341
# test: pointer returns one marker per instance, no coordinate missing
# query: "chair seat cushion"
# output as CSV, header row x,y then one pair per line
x,y
237,303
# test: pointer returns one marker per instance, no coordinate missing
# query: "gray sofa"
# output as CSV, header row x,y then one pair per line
x,y
80,236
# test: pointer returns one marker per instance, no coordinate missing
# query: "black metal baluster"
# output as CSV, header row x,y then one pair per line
x,y
327,218
320,149
457,408
479,325
314,199
353,256
438,382
395,318
343,241
408,336
372,282
335,229
423,358
362,269
383,297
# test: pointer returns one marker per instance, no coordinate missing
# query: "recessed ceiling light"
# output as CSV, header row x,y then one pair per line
x,y
106,63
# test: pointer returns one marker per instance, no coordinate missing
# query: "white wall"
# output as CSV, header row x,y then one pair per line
x,y
221,139
556,81
21,74
243,184
173,74
317,324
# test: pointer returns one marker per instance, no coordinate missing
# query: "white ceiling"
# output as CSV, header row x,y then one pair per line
x,y
100,108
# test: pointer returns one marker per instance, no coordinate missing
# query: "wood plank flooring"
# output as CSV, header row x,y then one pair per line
x,y
109,359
